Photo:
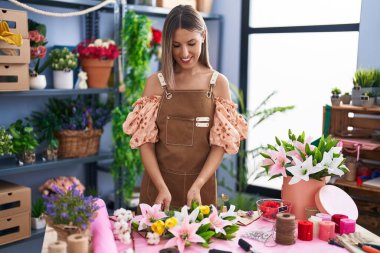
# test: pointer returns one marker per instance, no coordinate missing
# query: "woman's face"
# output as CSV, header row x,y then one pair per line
x,y
187,47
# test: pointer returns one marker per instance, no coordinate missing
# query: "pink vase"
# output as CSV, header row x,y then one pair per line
x,y
301,195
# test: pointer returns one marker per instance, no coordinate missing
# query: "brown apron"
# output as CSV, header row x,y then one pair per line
x,y
184,120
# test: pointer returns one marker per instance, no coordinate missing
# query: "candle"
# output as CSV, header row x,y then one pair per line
x,y
315,220
326,230
305,230
324,216
347,226
336,219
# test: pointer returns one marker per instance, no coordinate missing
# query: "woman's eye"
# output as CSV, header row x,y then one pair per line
x,y
191,44
176,46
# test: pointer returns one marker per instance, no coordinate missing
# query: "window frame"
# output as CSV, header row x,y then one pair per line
x,y
246,31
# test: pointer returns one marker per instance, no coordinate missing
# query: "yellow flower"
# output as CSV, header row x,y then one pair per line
x,y
158,227
204,209
171,222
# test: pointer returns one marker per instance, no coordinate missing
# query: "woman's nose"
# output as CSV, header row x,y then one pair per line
x,y
185,52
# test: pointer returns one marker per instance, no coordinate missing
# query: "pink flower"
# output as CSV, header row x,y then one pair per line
x,y
184,233
216,222
279,160
149,214
42,51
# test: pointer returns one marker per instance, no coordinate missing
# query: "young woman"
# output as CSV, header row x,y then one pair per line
x,y
185,121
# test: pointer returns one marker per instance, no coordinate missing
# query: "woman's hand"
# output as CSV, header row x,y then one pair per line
x,y
164,198
194,194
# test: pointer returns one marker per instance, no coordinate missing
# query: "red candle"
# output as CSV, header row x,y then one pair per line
x,y
305,230
336,219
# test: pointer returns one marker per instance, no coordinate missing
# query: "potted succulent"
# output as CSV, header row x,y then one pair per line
x,y
97,59
38,209
378,98
335,100
346,98
63,62
6,144
37,37
24,142
368,99
363,82
46,124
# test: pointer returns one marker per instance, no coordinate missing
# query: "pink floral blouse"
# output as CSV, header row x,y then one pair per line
x,y
228,130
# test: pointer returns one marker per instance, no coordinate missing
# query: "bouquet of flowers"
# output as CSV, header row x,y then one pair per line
x,y
299,158
98,49
37,51
63,184
70,208
195,225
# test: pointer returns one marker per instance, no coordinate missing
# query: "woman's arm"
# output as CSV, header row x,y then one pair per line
x,y
148,155
215,156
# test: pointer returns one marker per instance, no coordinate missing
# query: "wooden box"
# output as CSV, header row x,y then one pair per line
x,y
17,21
14,77
14,228
15,54
14,199
173,3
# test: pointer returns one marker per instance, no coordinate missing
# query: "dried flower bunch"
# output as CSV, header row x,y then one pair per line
x,y
62,183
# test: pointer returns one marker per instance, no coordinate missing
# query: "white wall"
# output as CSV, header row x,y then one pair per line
x,y
369,35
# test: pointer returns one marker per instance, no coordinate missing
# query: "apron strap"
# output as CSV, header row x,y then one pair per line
x,y
161,78
212,83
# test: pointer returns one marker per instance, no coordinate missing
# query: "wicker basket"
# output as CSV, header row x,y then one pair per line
x,y
78,143
63,230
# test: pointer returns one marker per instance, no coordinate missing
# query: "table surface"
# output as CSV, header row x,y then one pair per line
x,y
314,246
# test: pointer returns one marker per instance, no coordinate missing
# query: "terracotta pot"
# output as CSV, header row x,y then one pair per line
x,y
301,195
98,72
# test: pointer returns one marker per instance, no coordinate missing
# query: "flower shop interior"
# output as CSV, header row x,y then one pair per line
x,y
306,178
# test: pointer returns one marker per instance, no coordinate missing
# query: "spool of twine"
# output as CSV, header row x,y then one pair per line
x,y
285,229
77,243
57,247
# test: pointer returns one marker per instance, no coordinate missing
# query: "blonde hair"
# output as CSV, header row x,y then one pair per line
x,y
185,17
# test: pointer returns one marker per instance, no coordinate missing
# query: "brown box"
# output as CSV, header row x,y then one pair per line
x,y
15,54
17,21
14,199
14,228
173,3
14,77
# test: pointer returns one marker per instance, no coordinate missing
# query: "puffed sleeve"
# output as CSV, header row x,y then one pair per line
x,y
229,126
141,122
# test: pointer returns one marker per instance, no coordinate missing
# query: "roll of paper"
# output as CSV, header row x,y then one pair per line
x,y
57,247
77,243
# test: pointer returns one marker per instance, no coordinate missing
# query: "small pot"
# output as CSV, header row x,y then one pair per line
x,y
38,223
63,79
37,82
335,100
367,101
346,99
51,154
27,157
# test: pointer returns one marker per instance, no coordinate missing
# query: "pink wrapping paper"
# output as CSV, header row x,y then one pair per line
x,y
103,240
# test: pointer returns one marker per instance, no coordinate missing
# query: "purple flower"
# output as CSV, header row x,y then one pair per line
x,y
64,215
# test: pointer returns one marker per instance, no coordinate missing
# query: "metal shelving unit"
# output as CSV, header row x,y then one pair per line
x,y
54,92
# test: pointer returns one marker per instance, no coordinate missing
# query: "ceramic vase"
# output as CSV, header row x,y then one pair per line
x,y
63,79
37,82
301,195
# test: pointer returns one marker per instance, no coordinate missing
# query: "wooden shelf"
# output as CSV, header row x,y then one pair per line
x,y
357,108
352,185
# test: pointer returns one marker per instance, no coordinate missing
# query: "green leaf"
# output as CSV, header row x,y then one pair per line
x,y
207,235
265,155
278,141
203,228
229,218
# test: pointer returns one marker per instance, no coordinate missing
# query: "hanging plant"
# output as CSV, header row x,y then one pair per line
x,y
135,39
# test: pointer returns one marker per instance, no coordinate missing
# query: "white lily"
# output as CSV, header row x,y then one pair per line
x,y
331,163
180,216
229,213
302,170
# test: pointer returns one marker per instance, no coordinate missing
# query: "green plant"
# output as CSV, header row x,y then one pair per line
x,y
46,123
371,94
6,144
346,93
335,91
63,59
377,78
254,118
135,38
24,139
365,77
38,208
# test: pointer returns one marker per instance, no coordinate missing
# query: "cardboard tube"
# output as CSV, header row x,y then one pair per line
x,y
57,247
77,243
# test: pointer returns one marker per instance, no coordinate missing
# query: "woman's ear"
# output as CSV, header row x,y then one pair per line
x,y
203,36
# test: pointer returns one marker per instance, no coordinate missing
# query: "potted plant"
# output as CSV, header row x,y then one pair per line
x,y
346,98
38,209
368,99
37,37
335,100
97,59
363,82
63,62
378,98
24,142
6,144
46,123
304,167
69,211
